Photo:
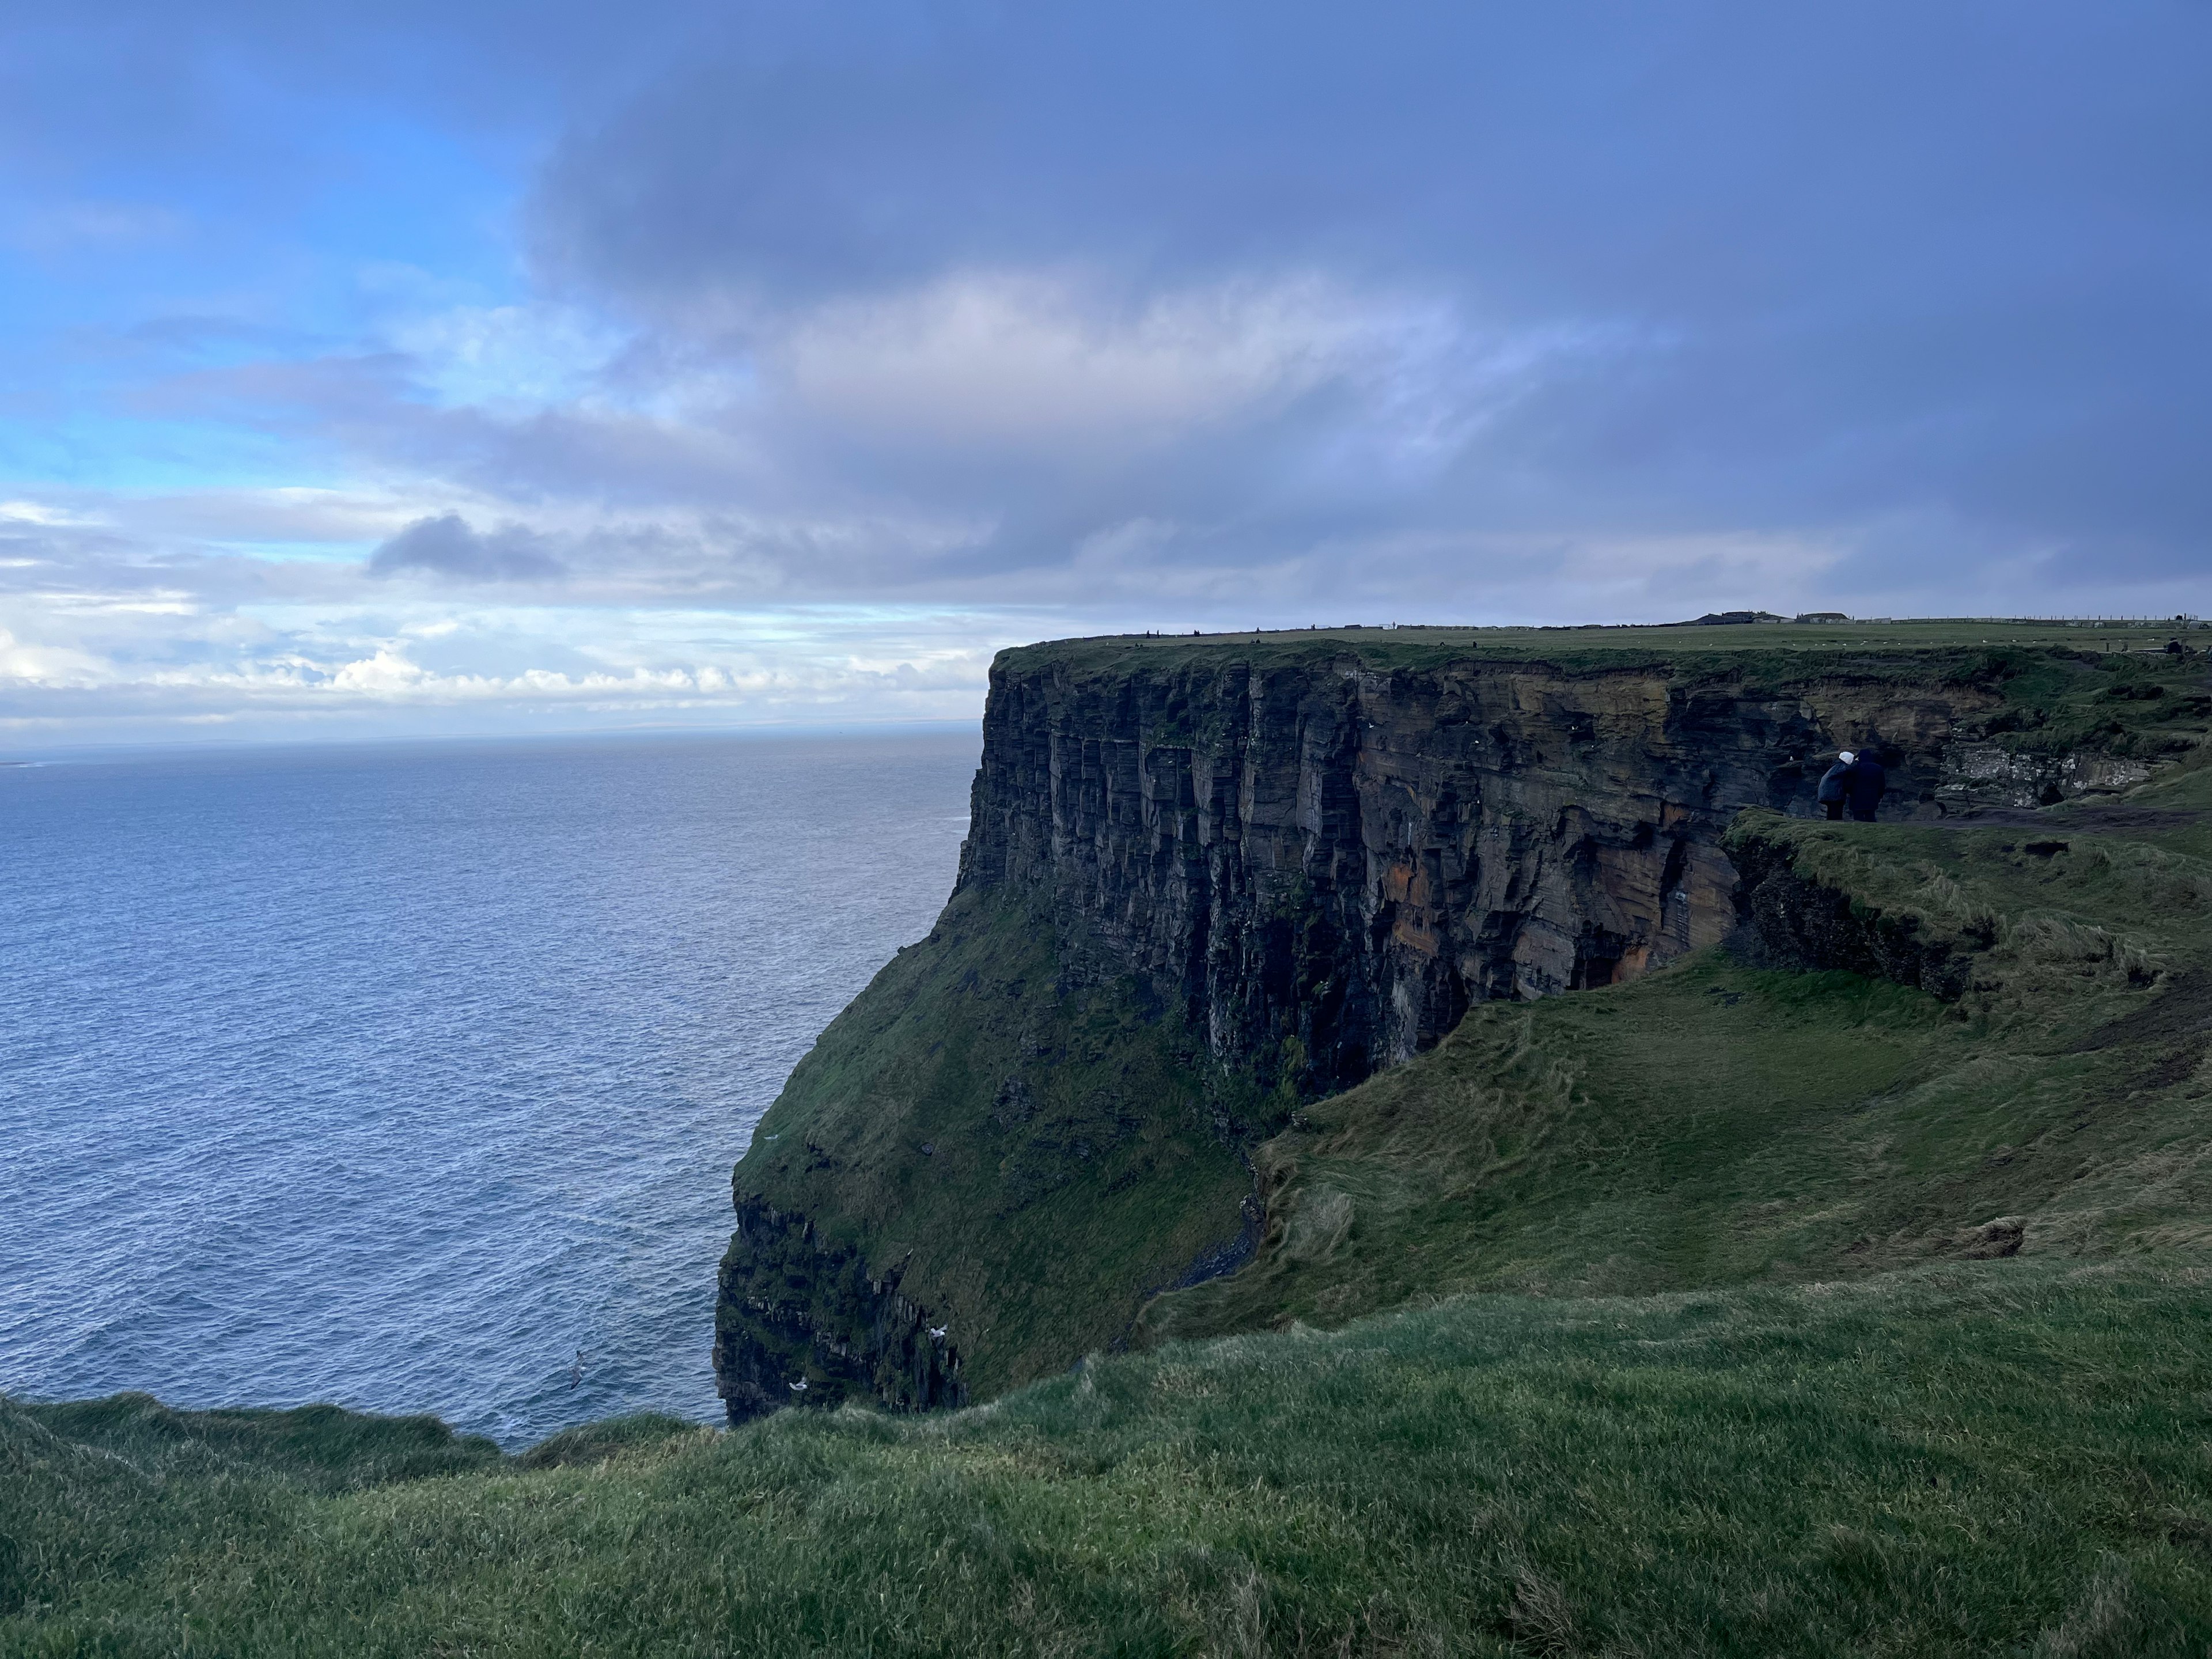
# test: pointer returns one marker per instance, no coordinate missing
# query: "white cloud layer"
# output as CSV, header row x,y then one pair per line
x,y
1019,362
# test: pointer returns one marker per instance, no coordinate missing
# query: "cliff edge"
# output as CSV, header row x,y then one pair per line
x,y
1209,880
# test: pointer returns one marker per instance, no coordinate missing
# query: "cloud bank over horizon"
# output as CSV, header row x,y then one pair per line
x,y
413,369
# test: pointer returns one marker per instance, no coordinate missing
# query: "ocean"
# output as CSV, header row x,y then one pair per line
x,y
410,1077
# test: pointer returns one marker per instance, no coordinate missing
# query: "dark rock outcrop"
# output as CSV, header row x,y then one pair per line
x,y
1803,923
797,1321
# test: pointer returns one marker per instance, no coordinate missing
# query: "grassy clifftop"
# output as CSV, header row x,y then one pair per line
x,y
1600,645
2063,687
1990,1457
1016,1136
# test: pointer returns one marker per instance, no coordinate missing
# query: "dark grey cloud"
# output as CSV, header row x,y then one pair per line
x,y
1859,261
448,545
1738,152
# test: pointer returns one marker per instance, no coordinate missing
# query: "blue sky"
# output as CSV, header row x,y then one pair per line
x,y
469,367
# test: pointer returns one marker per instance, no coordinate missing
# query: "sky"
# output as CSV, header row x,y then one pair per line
x,y
482,366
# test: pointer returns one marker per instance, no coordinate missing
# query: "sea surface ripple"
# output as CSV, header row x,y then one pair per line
x,y
410,1077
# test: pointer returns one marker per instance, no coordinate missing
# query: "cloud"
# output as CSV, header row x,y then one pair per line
x,y
1017,361
292,660
1899,264
44,666
507,343
448,546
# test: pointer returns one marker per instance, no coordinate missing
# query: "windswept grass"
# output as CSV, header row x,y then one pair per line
x,y
1994,1457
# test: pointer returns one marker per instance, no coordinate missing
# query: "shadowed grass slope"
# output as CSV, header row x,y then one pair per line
x,y
1986,1457
1718,1122
1020,1131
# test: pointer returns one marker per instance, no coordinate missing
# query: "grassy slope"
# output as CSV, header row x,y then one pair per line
x,y
1716,1123
2002,1457
1073,1164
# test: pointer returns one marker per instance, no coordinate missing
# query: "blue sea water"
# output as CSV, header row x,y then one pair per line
x,y
410,1077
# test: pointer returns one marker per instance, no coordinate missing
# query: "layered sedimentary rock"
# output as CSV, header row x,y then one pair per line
x,y
1326,863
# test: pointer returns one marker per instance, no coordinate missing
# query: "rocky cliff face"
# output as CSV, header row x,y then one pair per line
x,y
1327,864
1206,880
845,1333
1799,921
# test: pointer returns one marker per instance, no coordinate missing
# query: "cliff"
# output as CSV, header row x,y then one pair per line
x,y
1920,1154
1326,863
1206,880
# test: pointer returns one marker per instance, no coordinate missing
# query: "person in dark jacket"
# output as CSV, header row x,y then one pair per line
x,y
1836,785
1870,782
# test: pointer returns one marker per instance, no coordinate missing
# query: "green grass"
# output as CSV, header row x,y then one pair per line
x,y
1603,645
1034,1144
1719,1123
1075,1162
2141,867
1984,1458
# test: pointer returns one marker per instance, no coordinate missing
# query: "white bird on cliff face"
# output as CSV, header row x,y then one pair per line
x,y
799,1387
939,1331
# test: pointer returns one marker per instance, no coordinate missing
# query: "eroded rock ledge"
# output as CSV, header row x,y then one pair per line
x,y
1802,921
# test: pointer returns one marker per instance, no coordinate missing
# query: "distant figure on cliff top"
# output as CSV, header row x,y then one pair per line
x,y
1836,785
1868,783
